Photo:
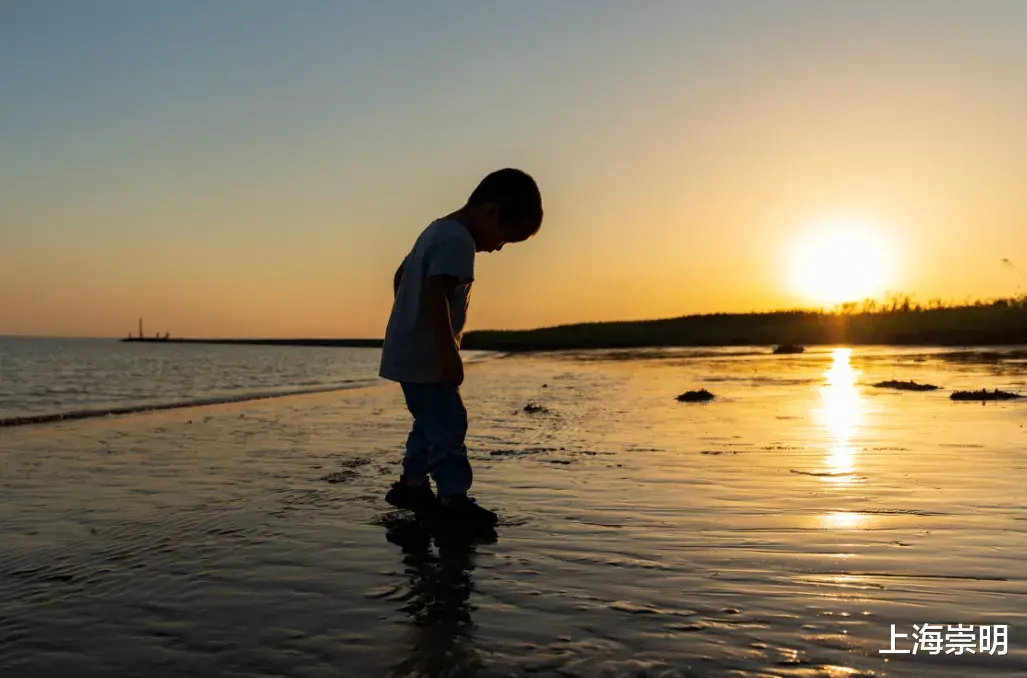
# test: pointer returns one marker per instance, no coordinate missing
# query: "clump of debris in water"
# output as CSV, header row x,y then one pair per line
x,y
906,386
700,396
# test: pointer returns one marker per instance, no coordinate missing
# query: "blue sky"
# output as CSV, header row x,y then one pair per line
x,y
242,168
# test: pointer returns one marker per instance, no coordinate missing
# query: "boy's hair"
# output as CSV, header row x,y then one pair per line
x,y
518,197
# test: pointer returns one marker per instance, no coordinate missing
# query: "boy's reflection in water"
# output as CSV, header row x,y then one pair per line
x,y
438,601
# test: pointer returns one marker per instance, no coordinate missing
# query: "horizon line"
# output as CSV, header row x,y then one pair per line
x,y
848,308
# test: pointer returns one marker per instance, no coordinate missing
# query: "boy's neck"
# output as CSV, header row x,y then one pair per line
x,y
464,219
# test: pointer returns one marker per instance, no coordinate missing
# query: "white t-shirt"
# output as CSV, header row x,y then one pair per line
x,y
409,354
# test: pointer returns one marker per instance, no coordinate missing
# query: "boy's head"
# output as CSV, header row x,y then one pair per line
x,y
505,207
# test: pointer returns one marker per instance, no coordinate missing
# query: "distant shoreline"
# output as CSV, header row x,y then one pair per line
x,y
999,323
351,343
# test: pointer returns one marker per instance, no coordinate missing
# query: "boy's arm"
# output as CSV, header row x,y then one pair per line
x,y
435,306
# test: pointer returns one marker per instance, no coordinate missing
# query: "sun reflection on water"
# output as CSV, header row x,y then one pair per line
x,y
845,520
841,413
840,461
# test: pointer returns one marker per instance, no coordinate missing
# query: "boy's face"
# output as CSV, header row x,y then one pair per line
x,y
492,240
492,234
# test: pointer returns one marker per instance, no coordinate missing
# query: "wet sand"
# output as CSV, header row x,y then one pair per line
x,y
779,530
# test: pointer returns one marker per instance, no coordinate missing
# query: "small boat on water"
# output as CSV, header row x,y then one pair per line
x,y
789,349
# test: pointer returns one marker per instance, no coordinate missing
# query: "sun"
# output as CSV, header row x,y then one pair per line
x,y
839,262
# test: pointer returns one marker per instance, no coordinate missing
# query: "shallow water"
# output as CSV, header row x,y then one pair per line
x,y
777,531
50,376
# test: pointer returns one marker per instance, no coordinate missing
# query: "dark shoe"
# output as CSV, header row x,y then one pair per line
x,y
465,511
419,499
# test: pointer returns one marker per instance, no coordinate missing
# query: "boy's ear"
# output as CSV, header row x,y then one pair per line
x,y
489,212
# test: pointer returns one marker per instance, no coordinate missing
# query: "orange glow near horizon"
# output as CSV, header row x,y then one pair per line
x,y
841,262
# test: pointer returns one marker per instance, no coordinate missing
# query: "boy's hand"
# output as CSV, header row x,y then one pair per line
x,y
453,371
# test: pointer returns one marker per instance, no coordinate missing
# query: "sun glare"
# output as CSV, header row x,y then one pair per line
x,y
839,262
841,414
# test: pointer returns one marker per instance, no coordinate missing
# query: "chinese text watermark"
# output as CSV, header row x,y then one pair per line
x,y
957,639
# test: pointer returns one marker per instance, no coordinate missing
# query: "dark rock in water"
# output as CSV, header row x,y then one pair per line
x,y
701,396
532,408
906,386
984,395
339,477
789,349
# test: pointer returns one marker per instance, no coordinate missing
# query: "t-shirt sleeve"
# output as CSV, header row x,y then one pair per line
x,y
453,257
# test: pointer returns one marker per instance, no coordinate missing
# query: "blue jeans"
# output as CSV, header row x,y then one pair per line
x,y
436,441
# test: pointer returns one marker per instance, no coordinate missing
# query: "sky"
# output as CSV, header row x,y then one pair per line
x,y
256,168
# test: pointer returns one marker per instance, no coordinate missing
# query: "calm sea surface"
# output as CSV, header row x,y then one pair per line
x,y
53,376
786,529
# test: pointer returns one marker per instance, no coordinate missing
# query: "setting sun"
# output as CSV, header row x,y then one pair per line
x,y
840,262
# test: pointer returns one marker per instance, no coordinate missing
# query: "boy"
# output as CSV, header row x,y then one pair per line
x,y
422,342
